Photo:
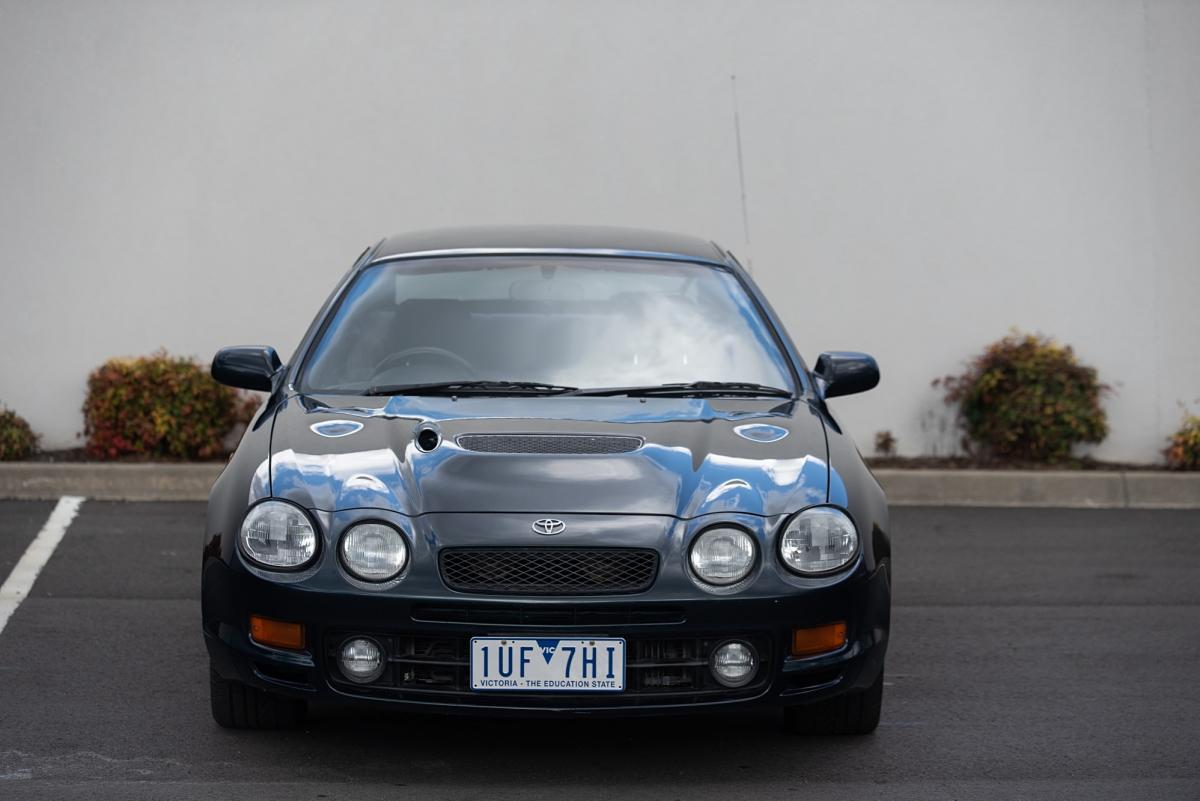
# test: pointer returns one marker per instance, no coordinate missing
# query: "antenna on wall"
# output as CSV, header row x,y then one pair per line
x,y
737,132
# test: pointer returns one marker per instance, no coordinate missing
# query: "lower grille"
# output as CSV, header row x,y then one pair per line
x,y
548,571
659,670
553,616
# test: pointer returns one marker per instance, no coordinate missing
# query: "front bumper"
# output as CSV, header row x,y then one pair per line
x,y
667,643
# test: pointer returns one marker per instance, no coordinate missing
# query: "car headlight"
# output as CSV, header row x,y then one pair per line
x,y
818,540
722,556
278,536
374,551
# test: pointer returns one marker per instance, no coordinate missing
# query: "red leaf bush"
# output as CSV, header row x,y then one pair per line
x,y
1184,451
159,406
17,440
1027,398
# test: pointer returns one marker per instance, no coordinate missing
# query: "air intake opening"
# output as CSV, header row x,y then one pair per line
x,y
552,444
549,571
428,439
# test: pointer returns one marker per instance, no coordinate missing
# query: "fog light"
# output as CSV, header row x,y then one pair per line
x,y
361,660
818,640
276,633
733,664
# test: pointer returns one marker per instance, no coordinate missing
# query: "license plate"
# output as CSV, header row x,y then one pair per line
x,y
547,665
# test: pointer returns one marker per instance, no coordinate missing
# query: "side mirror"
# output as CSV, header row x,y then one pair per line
x,y
251,367
845,373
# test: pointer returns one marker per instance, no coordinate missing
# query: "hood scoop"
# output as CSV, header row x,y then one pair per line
x,y
555,444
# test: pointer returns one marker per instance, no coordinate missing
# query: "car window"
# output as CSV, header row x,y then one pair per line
x,y
583,322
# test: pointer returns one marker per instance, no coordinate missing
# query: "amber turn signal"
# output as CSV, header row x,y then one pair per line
x,y
276,633
818,640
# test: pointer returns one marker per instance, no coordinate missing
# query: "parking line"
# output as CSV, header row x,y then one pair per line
x,y
20,581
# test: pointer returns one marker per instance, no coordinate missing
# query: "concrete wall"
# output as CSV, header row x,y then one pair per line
x,y
921,176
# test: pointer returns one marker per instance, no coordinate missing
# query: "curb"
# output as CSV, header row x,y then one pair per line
x,y
156,481
1037,488
1042,488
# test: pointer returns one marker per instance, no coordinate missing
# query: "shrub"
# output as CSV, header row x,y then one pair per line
x,y
1184,451
17,440
885,443
1027,398
159,406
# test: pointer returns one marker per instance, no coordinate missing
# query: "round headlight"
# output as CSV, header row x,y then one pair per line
x,y
374,551
278,535
361,660
722,556
818,540
733,664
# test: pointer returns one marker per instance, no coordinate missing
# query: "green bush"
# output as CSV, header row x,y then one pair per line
x,y
1027,398
1184,451
17,440
159,406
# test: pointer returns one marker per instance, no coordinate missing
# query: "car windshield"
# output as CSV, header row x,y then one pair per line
x,y
564,322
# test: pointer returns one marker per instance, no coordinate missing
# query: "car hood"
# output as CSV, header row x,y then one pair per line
x,y
691,456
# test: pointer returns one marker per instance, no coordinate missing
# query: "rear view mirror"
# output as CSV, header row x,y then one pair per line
x,y
251,367
845,373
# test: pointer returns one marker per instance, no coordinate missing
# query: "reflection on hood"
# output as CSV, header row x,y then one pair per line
x,y
691,460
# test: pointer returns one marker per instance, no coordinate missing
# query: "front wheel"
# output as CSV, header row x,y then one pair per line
x,y
848,713
238,706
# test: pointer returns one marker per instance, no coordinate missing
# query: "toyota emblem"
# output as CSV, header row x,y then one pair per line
x,y
548,526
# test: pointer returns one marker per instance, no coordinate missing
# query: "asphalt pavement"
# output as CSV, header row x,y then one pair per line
x,y
1035,654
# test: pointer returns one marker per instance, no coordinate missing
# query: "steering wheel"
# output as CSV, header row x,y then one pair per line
x,y
426,350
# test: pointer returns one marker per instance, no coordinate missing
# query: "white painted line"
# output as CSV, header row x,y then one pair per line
x,y
20,581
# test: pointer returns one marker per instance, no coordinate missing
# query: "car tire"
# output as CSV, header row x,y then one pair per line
x,y
849,713
238,706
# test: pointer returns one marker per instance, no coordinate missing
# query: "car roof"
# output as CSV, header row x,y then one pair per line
x,y
566,239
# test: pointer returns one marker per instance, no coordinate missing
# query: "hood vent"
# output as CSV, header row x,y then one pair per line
x,y
558,444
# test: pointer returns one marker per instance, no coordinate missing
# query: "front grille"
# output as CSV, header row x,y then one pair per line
x,y
659,670
548,571
577,444
553,615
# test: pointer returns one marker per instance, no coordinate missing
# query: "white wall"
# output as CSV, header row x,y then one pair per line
x,y
921,176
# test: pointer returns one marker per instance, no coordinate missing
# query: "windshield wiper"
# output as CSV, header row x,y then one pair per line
x,y
470,388
743,389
